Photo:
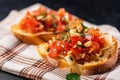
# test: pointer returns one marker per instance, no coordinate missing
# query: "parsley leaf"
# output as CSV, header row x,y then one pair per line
x,y
72,76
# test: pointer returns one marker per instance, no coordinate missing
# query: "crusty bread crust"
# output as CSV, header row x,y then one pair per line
x,y
105,63
31,38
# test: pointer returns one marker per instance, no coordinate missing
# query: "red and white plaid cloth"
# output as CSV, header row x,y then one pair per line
x,y
22,59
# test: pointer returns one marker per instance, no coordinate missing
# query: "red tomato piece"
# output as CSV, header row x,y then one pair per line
x,y
76,38
76,50
55,49
95,46
94,32
66,46
48,21
61,12
70,17
60,27
73,43
100,41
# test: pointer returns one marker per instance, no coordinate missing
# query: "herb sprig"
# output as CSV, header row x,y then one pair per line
x,y
83,30
53,22
72,76
64,36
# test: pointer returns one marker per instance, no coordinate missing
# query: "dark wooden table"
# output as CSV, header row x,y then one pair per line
x,y
94,11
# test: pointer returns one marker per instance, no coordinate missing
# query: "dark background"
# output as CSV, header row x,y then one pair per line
x,y
94,11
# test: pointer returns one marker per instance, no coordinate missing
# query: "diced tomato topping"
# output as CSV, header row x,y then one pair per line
x,y
80,46
70,17
66,45
55,49
39,11
61,12
48,21
95,46
76,50
77,38
44,20
60,27
94,32
29,23
100,41
86,49
73,43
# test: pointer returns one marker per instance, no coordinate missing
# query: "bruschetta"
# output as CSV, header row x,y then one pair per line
x,y
83,50
40,25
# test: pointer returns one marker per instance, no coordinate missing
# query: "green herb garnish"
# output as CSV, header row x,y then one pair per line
x,y
82,34
61,37
67,34
44,14
82,31
81,46
54,24
53,16
64,36
72,76
77,30
84,27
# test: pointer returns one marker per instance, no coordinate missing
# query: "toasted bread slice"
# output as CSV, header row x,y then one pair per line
x,y
37,38
104,62
31,38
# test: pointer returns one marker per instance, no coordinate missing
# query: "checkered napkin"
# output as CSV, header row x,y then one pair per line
x,y
22,59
